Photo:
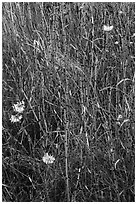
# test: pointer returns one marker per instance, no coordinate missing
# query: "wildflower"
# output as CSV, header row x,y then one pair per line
x,y
16,118
48,159
119,117
19,107
107,28
120,12
116,43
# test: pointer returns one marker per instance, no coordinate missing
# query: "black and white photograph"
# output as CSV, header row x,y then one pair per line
x,y
68,101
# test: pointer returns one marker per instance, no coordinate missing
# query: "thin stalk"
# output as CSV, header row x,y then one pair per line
x,y
66,121
33,112
93,67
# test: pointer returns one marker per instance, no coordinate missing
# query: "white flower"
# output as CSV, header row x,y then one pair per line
x,y
107,28
19,107
16,118
48,159
116,43
119,117
120,12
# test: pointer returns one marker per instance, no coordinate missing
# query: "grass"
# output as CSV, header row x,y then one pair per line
x,y
77,82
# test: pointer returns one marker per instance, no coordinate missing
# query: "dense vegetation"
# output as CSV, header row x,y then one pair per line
x,y
76,79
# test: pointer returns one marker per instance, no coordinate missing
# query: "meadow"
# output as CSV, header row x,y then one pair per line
x,y
68,102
